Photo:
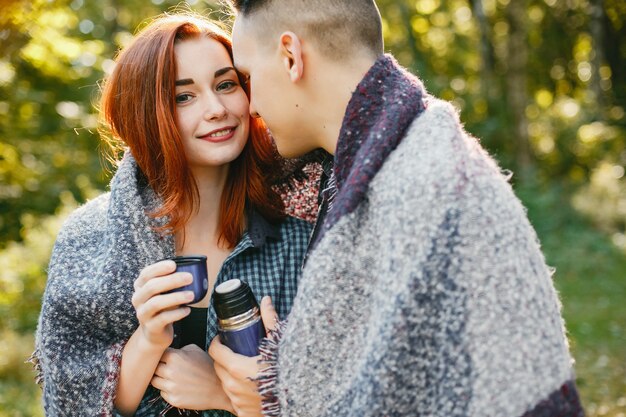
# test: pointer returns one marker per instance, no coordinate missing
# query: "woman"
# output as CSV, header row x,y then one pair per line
x,y
195,179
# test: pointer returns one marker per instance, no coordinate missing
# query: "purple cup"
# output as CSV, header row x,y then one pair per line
x,y
196,265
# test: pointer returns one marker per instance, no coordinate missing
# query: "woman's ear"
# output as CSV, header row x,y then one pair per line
x,y
291,53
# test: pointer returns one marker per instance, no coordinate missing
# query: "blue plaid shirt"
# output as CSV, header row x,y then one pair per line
x,y
269,258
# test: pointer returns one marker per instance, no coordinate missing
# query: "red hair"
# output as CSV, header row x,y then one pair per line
x,y
139,112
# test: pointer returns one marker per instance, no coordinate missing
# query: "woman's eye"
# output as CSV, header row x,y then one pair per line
x,y
226,85
183,98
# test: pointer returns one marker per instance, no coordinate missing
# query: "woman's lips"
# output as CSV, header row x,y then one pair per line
x,y
219,135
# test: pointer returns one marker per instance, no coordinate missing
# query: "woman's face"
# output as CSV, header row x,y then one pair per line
x,y
212,112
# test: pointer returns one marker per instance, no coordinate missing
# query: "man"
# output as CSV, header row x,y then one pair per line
x,y
425,291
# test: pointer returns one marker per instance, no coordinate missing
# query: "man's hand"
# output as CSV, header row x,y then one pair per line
x,y
237,371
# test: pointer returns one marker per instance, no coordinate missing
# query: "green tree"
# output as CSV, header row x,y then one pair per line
x,y
53,55
537,81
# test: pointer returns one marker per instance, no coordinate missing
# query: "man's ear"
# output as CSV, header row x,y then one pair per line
x,y
291,54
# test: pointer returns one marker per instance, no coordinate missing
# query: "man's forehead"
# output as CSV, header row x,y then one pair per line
x,y
241,39
242,28
245,43
238,43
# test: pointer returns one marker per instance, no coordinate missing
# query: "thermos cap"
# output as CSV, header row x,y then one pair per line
x,y
233,298
228,286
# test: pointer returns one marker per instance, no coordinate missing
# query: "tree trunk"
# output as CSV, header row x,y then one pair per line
x,y
486,48
516,82
406,19
596,26
614,57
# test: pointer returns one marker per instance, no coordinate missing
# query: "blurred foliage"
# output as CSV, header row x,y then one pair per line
x,y
572,77
603,199
21,287
52,56
19,395
24,269
542,83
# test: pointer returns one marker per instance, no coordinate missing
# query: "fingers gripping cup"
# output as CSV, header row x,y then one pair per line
x,y
239,318
196,266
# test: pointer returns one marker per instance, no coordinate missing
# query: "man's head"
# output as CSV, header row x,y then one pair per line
x,y
333,25
292,49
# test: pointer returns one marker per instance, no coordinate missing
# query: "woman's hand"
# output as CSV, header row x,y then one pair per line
x,y
237,371
187,379
157,310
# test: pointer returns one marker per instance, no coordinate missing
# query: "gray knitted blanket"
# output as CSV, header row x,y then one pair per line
x,y
87,315
430,298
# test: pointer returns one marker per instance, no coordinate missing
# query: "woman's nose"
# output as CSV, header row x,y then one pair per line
x,y
214,109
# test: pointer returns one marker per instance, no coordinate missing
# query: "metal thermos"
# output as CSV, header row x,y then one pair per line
x,y
239,318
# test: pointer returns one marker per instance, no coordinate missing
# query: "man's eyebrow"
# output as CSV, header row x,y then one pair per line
x,y
184,81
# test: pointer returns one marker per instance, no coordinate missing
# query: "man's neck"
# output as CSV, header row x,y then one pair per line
x,y
333,91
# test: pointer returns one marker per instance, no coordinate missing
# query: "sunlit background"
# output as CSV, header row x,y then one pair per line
x,y
542,83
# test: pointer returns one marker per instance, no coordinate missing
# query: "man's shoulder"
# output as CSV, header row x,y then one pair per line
x,y
436,143
440,111
438,157
436,128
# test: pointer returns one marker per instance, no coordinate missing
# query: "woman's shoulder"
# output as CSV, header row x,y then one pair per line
x,y
87,219
78,241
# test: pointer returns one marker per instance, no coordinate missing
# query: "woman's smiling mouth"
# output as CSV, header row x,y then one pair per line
x,y
219,135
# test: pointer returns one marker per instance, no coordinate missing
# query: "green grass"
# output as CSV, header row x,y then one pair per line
x,y
591,279
19,395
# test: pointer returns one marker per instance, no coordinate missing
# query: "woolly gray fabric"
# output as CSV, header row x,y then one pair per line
x,y
87,315
431,298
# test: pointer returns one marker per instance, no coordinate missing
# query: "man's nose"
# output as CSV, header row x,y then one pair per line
x,y
253,112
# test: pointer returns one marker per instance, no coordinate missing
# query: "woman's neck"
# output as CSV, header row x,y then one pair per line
x,y
202,228
201,232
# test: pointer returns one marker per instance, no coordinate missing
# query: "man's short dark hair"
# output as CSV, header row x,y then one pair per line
x,y
246,7
336,26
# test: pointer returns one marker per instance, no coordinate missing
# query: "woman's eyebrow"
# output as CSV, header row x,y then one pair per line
x,y
184,81
223,71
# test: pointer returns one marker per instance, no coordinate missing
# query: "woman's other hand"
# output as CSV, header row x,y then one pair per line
x,y
157,310
187,379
